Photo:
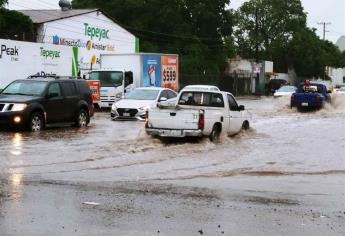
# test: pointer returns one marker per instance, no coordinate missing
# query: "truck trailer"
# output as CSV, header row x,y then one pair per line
x,y
120,73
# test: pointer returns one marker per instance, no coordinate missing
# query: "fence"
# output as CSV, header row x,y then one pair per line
x,y
237,84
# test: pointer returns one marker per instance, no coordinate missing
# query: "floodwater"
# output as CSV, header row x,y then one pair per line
x,y
284,176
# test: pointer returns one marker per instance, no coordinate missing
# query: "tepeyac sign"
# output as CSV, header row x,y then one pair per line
x,y
95,32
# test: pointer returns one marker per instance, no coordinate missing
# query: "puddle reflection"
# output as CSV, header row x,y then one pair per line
x,y
17,144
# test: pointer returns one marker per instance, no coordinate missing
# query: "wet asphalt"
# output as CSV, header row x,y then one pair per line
x,y
284,176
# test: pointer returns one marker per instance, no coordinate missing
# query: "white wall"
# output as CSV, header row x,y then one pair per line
x,y
337,75
32,58
71,31
268,66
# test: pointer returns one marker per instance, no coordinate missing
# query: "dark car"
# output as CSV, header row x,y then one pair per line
x,y
273,85
36,102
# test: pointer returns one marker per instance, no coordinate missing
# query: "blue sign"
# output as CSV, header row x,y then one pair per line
x,y
152,70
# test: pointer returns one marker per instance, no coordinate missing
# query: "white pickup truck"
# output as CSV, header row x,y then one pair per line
x,y
198,112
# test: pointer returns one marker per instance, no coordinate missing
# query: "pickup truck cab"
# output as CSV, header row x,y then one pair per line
x,y
198,112
310,95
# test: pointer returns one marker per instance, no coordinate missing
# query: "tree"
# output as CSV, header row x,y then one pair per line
x,y
3,2
199,31
264,28
14,25
276,30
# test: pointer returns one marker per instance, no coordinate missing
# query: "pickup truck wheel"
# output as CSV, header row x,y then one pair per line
x,y
215,134
82,119
245,125
36,123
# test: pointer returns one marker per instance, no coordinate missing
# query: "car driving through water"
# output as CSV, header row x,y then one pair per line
x,y
32,104
135,103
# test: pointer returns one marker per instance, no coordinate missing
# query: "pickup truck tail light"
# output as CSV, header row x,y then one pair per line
x,y
201,121
147,119
292,97
318,98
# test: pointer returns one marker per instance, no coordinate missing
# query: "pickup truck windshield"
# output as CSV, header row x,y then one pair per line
x,y
142,94
108,78
27,88
201,99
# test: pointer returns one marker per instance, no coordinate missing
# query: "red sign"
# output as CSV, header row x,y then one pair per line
x,y
170,72
95,87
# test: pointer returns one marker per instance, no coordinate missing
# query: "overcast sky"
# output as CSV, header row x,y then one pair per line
x,y
332,11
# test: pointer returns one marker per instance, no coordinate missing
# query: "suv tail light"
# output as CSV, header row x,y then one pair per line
x,y
201,121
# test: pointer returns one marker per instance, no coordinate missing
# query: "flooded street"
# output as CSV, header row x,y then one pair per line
x,y
284,176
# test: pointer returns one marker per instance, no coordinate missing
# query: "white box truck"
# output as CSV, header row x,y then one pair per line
x,y
120,73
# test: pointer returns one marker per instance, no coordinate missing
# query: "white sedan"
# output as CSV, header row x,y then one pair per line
x,y
340,91
285,91
135,103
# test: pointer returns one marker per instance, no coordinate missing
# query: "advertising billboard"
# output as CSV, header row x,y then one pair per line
x,y
152,70
18,60
170,72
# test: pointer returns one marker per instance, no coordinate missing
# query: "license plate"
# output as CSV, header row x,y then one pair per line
x,y
126,114
172,133
305,104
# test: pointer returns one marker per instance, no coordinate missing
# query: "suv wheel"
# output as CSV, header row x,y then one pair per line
x,y
82,119
36,123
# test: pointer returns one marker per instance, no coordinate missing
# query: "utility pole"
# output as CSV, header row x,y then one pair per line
x,y
324,28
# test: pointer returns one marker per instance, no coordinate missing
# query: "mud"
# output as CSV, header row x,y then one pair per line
x,y
283,176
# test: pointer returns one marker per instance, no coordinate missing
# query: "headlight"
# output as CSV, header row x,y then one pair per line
x,y
119,96
18,107
113,107
145,108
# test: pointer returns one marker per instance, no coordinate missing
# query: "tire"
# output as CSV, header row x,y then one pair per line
x,y
245,125
36,123
215,134
82,119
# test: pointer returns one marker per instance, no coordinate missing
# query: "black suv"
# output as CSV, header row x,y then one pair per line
x,y
36,102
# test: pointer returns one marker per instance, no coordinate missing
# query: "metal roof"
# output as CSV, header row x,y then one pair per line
x,y
43,16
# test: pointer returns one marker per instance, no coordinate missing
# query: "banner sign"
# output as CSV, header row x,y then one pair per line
x,y
95,87
152,70
170,72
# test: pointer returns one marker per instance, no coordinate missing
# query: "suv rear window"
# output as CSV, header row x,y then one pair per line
x,y
201,99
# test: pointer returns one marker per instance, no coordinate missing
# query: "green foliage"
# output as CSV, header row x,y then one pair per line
x,y
199,31
3,2
276,30
265,27
15,25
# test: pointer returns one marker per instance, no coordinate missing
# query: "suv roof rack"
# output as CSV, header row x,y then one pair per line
x,y
53,77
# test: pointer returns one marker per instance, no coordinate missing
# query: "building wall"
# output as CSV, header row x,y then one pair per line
x,y
93,34
337,75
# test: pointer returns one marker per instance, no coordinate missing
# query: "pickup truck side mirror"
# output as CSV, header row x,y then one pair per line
x,y
163,99
241,108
